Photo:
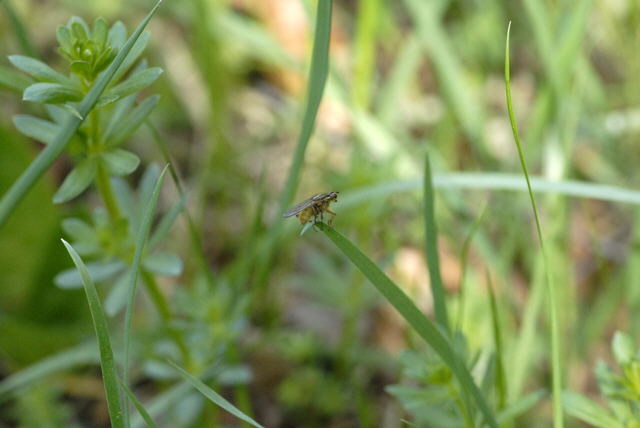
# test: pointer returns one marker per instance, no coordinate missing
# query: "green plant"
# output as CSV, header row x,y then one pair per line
x,y
620,389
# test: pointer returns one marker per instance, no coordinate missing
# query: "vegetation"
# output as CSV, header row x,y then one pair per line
x,y
481,269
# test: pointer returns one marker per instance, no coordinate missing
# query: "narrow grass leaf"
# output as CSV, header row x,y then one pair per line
x,y
76,356
556,370
107,362
500,378
429,331
141,240
51,152
214,396
138,405
317,78
431,249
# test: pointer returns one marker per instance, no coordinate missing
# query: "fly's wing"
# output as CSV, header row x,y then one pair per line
x,y
298,208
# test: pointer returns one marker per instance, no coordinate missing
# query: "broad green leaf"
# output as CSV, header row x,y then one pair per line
x,y
57,113
422,325
39,70
51,93
163,263
588,410
132,121
120,162
77,181
38,129
13,79
133,84
107,361
214,396
100,271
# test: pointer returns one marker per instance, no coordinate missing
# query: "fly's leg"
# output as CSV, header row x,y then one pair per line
x,y
333,215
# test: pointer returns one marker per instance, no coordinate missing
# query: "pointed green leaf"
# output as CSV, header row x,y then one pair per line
x,y
133,56
65,40
118,34
107,362
422,325
588,410
51,93
120,162
38,129
130,86
214,396
13,79
100,271
77,181
39,70
100,31
163,263
132,121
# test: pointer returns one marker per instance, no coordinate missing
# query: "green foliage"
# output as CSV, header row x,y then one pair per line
x,y
621,389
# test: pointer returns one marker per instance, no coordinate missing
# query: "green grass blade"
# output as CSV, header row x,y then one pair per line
x,y
431,249
138,405
78,355
141,241
214,396
317,80
51,152
500,383
556,369
495,181
107,362
416,319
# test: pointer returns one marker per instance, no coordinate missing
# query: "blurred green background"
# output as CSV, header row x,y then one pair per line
x,y
301,337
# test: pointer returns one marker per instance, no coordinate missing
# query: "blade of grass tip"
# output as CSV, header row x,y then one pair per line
x,y
141,241
429,331
558,419
51,152
107,362
431,249
317,79
214,396
501,383
138,405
